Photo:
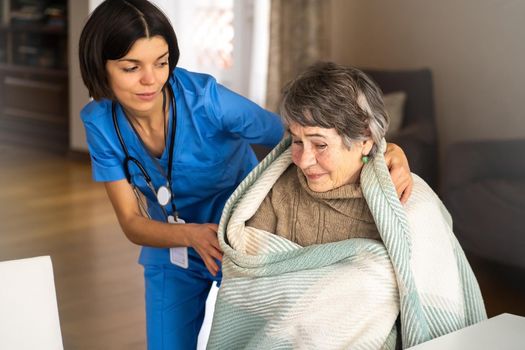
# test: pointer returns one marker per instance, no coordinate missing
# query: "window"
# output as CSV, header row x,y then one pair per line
x,y
224,38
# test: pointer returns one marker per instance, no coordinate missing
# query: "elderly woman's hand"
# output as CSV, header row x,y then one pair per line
x,y
397,163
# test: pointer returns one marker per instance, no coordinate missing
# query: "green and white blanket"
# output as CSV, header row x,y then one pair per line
x,y
276,294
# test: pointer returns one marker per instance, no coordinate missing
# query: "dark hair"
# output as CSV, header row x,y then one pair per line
x,y
110,32
329,95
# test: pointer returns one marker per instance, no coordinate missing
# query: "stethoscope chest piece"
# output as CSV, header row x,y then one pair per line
x,y
163,195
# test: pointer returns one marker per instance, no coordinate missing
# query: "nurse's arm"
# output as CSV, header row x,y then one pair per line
x,y
145,232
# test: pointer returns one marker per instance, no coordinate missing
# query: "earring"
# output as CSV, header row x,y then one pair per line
x,y
364,159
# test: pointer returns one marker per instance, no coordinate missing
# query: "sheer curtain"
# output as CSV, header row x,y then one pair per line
x,y
297,39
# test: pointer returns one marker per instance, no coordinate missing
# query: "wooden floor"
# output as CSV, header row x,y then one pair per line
x,y
50,206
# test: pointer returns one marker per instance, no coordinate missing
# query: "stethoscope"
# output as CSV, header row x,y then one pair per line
x,y
164,194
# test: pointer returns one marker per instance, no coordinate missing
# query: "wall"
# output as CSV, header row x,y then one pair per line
x,y
475,49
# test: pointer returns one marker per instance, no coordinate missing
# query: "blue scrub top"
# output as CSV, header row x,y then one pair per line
x,y
211,154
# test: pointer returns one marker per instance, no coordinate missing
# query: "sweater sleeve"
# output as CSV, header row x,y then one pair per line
x,y
264,218
275,208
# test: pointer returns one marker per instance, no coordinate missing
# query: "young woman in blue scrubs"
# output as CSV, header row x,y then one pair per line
x,y
190,136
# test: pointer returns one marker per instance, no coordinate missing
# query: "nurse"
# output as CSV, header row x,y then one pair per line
x,y
170,146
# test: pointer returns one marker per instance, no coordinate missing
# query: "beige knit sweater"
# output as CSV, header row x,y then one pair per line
x,y
293,211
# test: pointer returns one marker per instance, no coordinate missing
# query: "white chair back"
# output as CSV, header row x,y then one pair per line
x,y
28,305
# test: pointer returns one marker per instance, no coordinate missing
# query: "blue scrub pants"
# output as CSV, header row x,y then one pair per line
x,y
175,303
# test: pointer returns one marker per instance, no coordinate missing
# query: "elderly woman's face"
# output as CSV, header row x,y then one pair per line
x,y
324,159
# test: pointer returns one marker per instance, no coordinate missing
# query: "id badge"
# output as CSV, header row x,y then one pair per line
x,y
178,255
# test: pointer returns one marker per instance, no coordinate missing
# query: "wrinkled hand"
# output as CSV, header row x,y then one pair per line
x,y
397,163
203,239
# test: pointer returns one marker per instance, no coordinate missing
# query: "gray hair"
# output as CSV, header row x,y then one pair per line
x,y
329,95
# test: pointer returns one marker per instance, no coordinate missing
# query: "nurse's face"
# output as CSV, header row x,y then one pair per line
x,y
137,78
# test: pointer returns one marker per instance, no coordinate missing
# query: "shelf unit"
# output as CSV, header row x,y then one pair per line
x,y
34,97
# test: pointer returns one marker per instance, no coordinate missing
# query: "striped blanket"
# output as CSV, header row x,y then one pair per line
x,y
276,294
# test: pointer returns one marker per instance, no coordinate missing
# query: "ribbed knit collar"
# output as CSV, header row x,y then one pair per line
x,y
342,192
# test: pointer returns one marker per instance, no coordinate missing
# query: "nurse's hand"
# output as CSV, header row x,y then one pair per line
x,y
203,238
397,163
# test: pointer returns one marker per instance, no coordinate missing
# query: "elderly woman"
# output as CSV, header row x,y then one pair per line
x,y
319,252
336,119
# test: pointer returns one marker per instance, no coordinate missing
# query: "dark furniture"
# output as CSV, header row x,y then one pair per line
x,y
484,190
417,135
34,94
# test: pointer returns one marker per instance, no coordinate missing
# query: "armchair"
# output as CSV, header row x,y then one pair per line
x,y
484,190
417,135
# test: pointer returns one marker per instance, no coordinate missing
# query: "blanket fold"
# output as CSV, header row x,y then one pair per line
x,y
276,294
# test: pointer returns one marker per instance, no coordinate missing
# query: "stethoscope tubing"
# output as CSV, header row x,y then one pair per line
x,y
128,158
